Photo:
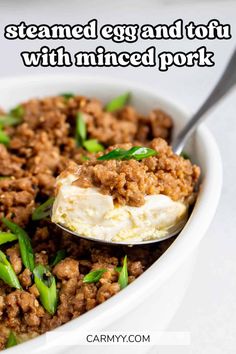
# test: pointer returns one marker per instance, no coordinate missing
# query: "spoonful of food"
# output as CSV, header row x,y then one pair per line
x,y
134,195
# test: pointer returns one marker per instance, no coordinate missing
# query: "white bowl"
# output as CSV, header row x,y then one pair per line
x,y
155,296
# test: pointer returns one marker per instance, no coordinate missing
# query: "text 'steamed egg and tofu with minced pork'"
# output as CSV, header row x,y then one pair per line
x,y
126,193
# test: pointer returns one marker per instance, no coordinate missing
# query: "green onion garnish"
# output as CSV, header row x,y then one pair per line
x,y
11,341
92,145
8,120
136,152
118,102
123,277
118,269
7,237
67,95
7,273
17,112
81,132
46,285
85,158
60,255
26,250
94,277
185,155
13,118
43,210
4,138
4,177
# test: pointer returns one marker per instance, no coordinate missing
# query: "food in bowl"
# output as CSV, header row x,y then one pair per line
x,y
48,277
126,194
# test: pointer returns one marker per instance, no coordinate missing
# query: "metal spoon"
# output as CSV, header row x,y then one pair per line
x,y
225,83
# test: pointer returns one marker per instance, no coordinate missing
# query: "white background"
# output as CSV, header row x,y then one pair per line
x,y
209,307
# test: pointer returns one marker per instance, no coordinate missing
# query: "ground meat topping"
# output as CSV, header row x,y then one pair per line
x,y
106,291
41,147
126,125
26,278
15,258
17,198
19,302
11,165
130,181
66,269
21,311
4,333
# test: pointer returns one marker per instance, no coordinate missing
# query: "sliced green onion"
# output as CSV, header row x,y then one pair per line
x,y
139,153
123,277
7,237
95,276
4,138
43,210
4,177
17,112
7,273
46,285
60,255
13,118
11,341
67,95
92,145
85,158
116,154
8,120
185,155
118,269
81,131
136,152
118,102
26,250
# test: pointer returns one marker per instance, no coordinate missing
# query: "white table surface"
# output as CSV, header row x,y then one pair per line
x,y
209,307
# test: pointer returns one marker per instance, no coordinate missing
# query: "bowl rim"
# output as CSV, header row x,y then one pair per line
x,y
169,261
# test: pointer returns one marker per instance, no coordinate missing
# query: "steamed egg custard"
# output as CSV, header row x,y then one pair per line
x,y
121,200
92,214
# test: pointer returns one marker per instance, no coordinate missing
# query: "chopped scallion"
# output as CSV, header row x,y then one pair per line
x,y
60,255
94,276
26,250
7,237
46,285
136,152
123,277
92,145
4,138
7,273
44,210
67,95
118,102
11,341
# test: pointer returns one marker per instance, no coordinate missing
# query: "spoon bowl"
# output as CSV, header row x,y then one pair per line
x,y
172,231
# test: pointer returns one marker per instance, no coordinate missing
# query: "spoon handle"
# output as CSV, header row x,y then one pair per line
x,y
225,83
